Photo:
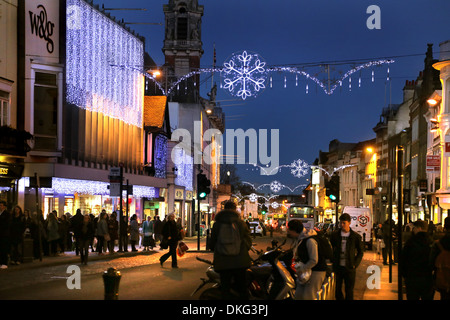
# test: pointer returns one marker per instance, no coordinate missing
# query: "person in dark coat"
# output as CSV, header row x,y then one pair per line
x,y
386,236
16,235
232,268
170,234
5,222
415,265
158,229
444,243
124,229
64,234
85,238
348,251
113,226
76,222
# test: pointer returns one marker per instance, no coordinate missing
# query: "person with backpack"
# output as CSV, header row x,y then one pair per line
x,y
348,251
231,241
309,260
415,265
440,262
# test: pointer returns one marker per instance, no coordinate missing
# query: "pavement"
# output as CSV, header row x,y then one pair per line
x,y
371,266
70,257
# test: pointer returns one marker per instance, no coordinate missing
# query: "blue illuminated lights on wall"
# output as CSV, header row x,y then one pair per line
x,y
161,144
94,45
185,168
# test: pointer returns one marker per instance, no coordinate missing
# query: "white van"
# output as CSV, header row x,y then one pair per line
x,y
362,223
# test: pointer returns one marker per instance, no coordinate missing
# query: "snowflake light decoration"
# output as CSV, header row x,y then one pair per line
x,y
245,75
275,205
276,186
253,197
299,168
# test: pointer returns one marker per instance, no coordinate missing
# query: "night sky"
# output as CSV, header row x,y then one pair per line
x,y
298,33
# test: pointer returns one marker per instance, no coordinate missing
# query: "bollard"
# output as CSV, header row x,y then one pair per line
x,y
111,280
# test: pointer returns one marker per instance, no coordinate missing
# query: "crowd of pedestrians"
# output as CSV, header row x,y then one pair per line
x,y
80,233
424,262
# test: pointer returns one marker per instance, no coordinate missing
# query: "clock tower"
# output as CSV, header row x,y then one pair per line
x,y
183,47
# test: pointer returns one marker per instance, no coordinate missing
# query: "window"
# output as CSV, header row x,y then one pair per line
x,y
45,111
415,129
182,29
4,108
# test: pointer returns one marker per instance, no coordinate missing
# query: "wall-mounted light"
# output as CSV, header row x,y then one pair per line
x,y
435,98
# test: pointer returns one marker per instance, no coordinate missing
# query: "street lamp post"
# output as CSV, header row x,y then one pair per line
x,y
400,215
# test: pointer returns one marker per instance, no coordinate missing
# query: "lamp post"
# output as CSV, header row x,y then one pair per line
x,y
400,215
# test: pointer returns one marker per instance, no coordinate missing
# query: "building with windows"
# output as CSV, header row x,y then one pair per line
x,y
443,99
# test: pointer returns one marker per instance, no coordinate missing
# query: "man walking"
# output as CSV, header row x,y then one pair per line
x,y
170,234
348,252
231,241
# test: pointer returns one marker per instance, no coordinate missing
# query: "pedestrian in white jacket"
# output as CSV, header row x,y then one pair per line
x,y
310,266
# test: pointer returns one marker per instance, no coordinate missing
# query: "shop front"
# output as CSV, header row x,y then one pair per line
x,y
10,175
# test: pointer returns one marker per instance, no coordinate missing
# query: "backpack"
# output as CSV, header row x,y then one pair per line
x,y
325,248
442,265
228,239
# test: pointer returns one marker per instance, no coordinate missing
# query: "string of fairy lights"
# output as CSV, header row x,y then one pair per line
x,y
299,168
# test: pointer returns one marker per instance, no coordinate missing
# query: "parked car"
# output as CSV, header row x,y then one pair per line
x,y
255,228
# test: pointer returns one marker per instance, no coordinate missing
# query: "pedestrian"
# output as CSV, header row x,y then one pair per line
x,y
387,239
147,230
102,233
231,241
414,264
308,261
17,230
170,234
134,232
431,229
64,226
5,223
75,225
123,234
53,232
113,229
441,275
41,235
348,251
85,237
157,226
27,220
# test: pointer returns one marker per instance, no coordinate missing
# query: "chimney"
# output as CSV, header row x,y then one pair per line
x,y
408,90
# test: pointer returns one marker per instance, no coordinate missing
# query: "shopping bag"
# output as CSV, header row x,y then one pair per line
x,y
182,248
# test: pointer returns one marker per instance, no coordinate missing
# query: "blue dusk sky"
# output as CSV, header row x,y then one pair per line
x,y
302,33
